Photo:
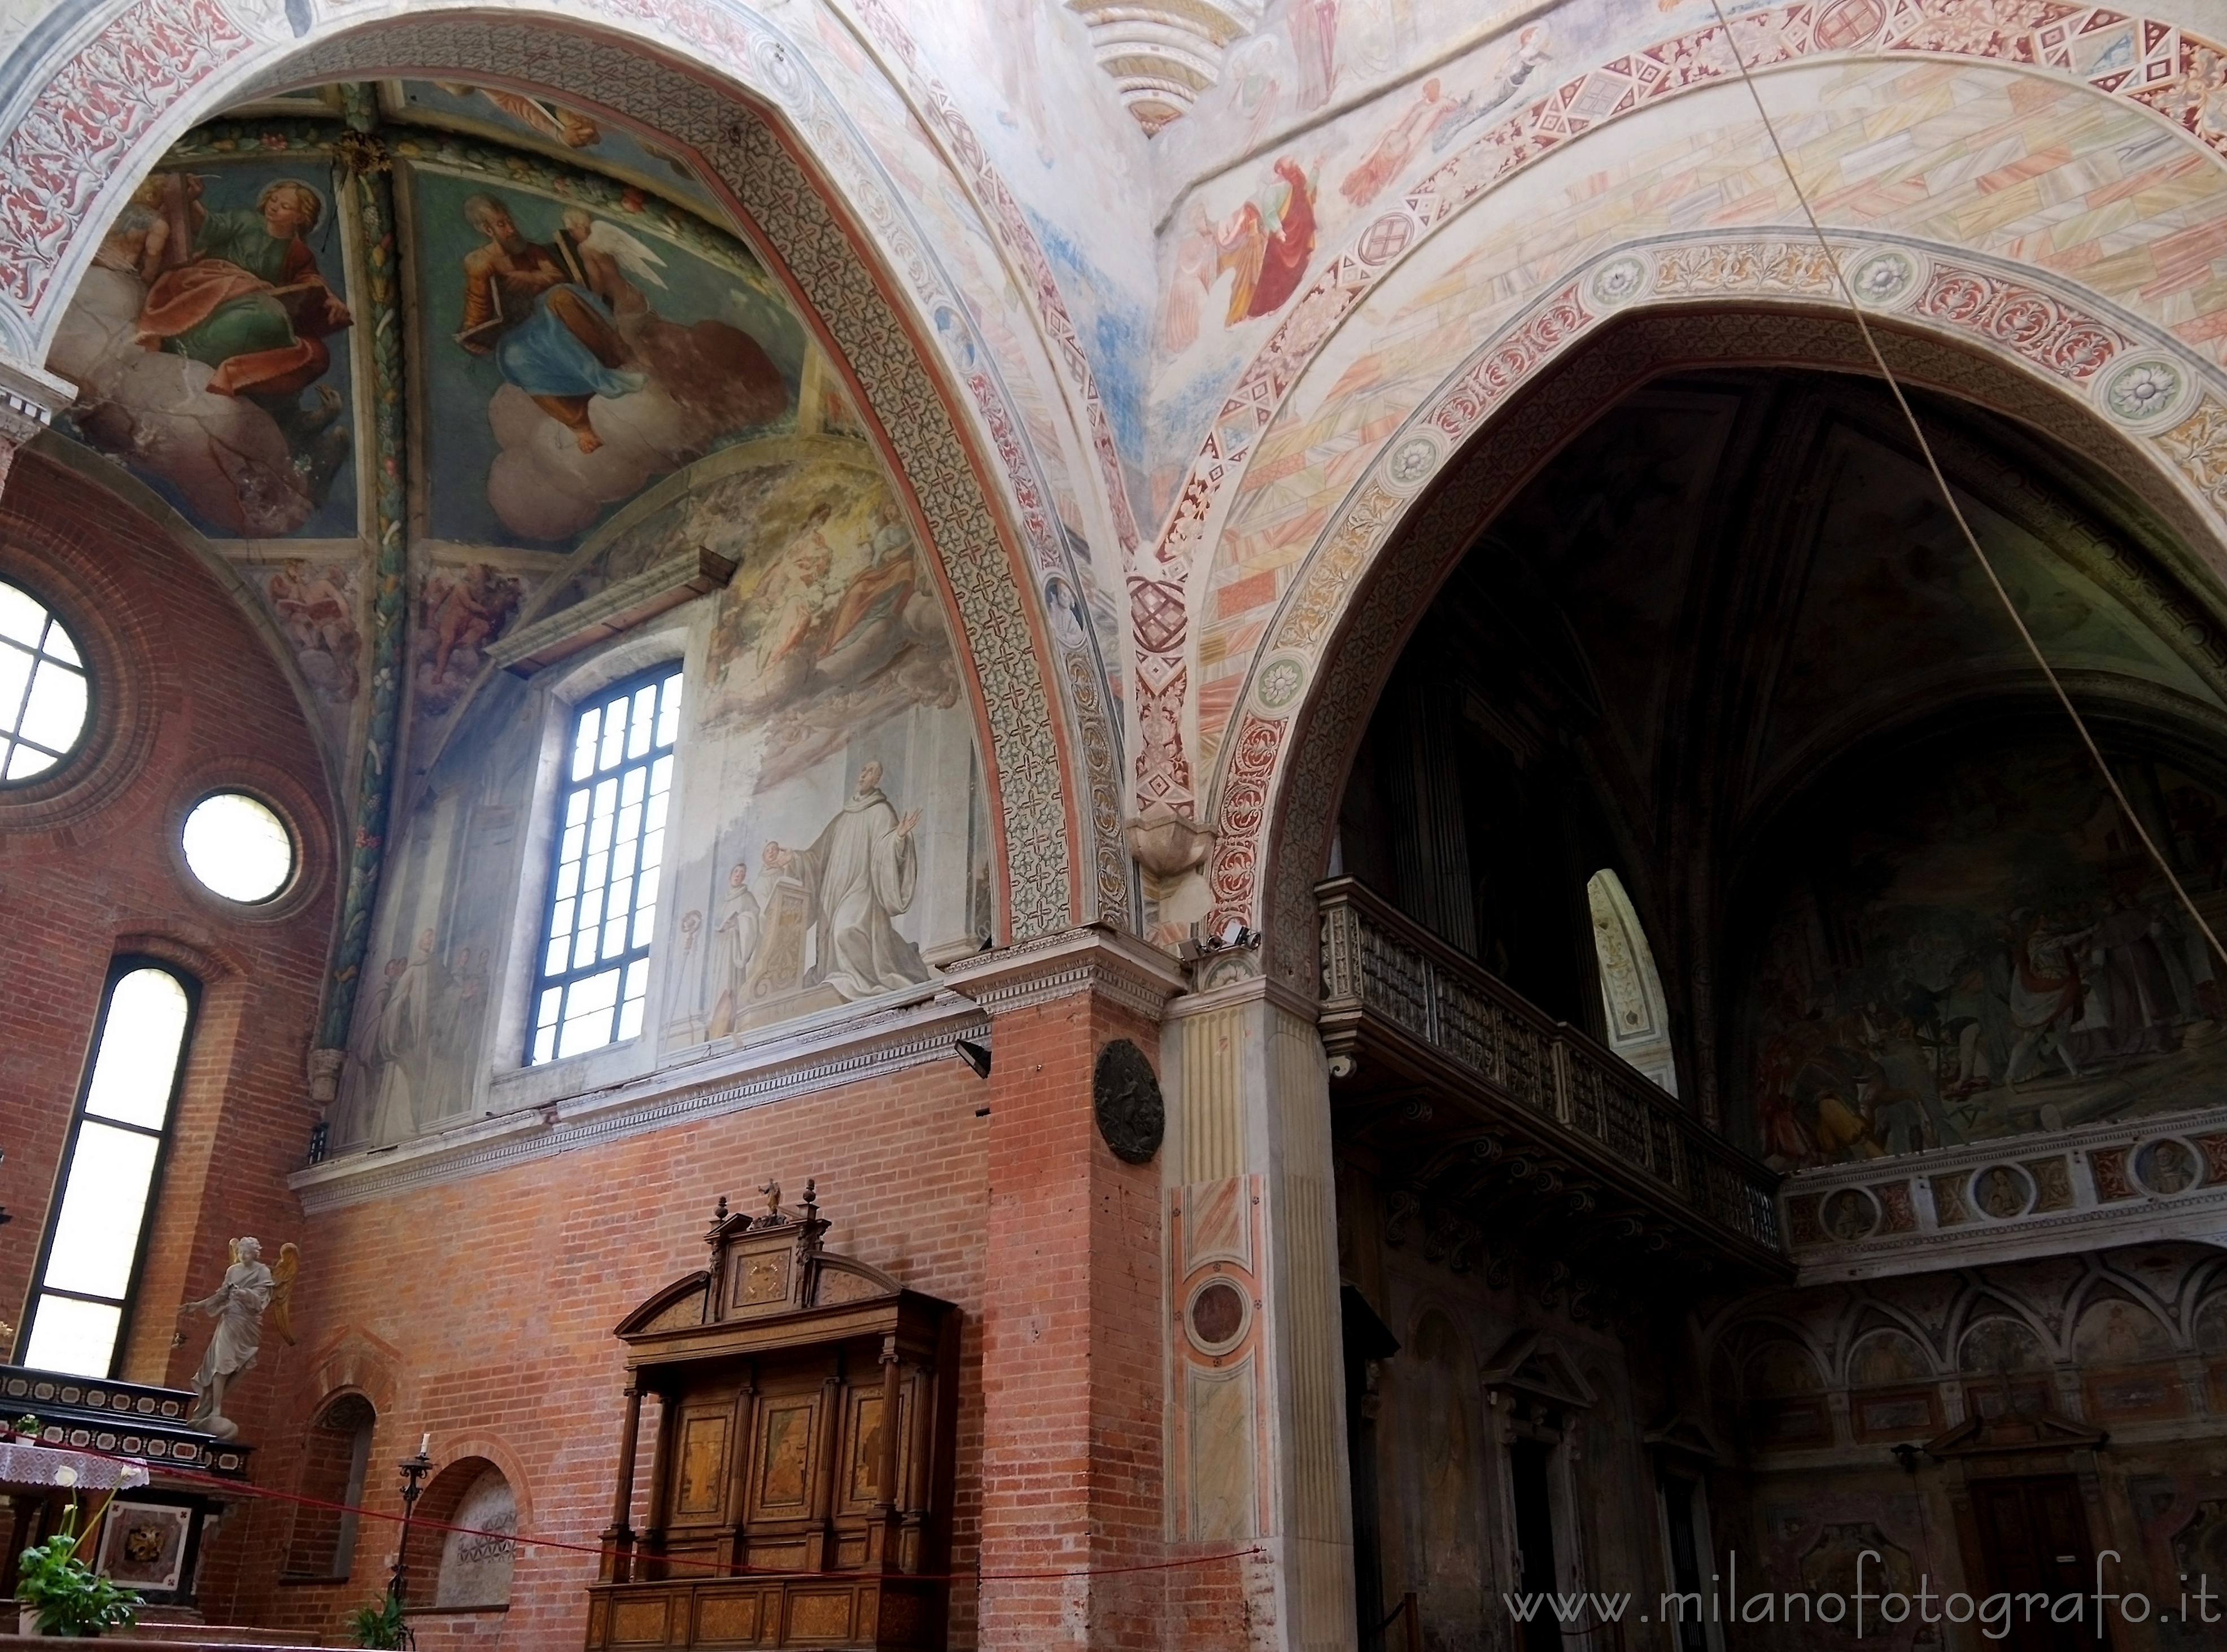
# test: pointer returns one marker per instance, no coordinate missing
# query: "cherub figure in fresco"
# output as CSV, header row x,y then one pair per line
x,y
317,608
529,307
241,291
467,612
156,220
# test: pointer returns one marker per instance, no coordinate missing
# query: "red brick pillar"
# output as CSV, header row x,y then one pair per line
x,y
1073,1349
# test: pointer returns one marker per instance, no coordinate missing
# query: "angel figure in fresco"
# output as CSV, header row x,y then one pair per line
x,y
241,291
550,120
1529,52
250,1291
613,261
1268,241
1409,133
858,874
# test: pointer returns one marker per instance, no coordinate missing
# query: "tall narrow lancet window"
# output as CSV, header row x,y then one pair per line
x,y
1632,1003
594,967
97,1233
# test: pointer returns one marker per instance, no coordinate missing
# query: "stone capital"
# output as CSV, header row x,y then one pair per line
x,y
1095,959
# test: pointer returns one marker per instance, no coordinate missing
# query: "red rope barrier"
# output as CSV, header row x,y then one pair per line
x,y
711,1567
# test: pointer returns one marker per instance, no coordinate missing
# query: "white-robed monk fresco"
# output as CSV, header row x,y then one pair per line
x,y
859,873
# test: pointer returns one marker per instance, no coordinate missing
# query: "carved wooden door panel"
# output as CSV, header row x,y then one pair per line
x,y
2033,1540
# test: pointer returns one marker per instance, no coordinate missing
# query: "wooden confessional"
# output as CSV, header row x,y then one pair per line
x,y
800,1492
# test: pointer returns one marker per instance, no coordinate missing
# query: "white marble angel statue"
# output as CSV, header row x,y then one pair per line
x,y
250,1290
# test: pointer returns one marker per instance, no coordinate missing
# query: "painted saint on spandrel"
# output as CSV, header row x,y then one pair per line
x,y
859,874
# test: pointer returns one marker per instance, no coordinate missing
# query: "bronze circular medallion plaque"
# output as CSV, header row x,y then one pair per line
x,y
1127,1095
1217,1315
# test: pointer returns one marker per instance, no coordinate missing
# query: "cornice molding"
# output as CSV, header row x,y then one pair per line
x,y
888,1041
1136,975
29,398
1925,1217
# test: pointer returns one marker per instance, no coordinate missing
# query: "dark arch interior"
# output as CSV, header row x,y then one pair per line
x,y
1729,644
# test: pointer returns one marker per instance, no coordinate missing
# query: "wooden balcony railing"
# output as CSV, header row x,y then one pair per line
x,y
1382,972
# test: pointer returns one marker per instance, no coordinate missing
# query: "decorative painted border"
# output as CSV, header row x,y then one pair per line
x,y
1274,784
2081,1190
2166,70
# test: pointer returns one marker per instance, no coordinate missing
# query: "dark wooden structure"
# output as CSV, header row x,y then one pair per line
x,y
801,1486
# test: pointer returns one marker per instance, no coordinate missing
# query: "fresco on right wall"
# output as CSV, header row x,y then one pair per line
x,y
1984,949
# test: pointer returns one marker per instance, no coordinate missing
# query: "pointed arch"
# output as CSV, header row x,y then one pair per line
x,y
810,193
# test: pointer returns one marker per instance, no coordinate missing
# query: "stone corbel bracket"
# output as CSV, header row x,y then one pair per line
x,y
1163,53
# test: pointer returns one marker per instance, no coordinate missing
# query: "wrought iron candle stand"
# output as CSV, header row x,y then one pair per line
x,y
414,1470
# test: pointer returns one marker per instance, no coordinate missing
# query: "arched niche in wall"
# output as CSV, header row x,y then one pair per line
x,y
336,1457
1782,1393
1998,1345
2114,1331
1886,1357
466,1568
1635,1012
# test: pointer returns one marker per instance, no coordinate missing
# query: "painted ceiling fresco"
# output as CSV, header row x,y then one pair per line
x,y
599,381
578,329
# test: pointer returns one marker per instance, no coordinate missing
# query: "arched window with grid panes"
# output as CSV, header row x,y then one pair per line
x,y
95,1237
592,974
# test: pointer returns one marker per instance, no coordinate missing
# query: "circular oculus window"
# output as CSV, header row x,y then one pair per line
x,y
237,847
45,695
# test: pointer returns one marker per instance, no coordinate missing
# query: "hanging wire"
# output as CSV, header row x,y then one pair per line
x,y
1948,494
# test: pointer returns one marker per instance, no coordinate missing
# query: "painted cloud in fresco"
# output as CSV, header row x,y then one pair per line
x,y
208,343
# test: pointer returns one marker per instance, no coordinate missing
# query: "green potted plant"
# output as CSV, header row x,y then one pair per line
x,y
381,1624
66,1595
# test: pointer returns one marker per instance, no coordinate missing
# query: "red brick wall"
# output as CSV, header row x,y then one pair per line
x,y
480,1311
190,697
1074,1364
